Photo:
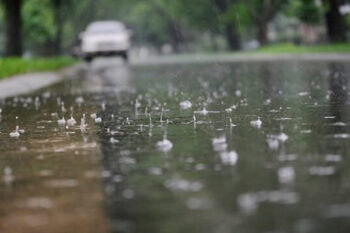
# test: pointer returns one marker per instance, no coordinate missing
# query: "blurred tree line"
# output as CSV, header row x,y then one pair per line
x,y
50,27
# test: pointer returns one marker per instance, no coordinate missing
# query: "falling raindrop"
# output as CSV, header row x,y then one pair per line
x,y
150,120
231,124
71,121
83,123
103,106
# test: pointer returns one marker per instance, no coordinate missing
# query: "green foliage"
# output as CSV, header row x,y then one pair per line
x,y
308,11
154,21
38,22
297,49
1,28
13,66
153,30
200,14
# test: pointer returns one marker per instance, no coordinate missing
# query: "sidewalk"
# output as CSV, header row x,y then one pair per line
x,y
26,83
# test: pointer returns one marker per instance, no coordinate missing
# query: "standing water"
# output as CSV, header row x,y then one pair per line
x,y
213,171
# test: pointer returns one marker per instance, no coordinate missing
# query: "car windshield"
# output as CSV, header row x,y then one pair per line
x,y
105,28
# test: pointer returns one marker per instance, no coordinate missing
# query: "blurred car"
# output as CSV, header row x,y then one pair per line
x,y
105,38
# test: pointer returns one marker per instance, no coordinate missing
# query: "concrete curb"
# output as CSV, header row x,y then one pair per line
x,y
204,58
26,83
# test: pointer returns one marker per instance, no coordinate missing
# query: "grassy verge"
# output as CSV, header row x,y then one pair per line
x,y
13,66
299,49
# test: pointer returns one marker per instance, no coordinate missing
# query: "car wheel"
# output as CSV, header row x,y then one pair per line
x,y
89,59
125,56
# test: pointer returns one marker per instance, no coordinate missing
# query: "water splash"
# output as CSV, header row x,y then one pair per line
x,y
184,105
15,133
165,145
256,123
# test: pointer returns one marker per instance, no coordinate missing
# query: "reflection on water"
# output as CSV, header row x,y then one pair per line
x,y
223,147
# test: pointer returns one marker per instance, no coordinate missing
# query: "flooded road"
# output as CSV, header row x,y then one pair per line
x,y
213,147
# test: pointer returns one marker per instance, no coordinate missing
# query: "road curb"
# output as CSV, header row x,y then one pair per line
x,y
27,83
205,58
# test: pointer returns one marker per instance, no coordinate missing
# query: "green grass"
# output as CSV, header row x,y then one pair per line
x,y
299,49
14,66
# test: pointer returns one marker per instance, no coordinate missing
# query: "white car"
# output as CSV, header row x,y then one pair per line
x,y
105,38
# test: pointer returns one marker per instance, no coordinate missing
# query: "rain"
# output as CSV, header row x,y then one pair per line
x,y
207,151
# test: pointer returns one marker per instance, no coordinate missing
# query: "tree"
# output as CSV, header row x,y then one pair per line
x,y
58,19
173,28
308,11
38,26
232,35
335,22
13,27
262,12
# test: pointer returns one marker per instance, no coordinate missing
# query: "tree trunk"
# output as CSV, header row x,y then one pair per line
x,y
232,35
57,42
336,27
262,33
176,37
173,28
13,28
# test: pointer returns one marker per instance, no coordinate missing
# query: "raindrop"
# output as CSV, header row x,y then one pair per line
x,y
98,120
113,141
71,121
273,143
333,158
248,203
15,133
219,143
194,121
83,123
61,122
150,120
128,193
178,184
256,123
185,105
156,171
231,124
321,171
103,106
8,176
164,145
286,174
39,202
229,158
203,112
198,204
79,100
161,116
